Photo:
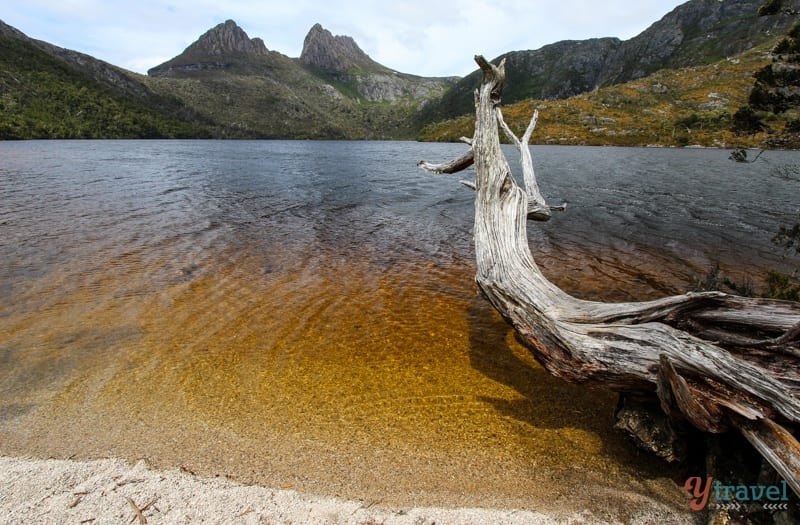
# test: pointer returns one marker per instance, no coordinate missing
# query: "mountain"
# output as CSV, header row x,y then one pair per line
x,y
692,106
333,90
339,60
224,85
336,61
229,85
51,92
336,54
256,93
695,33
224,47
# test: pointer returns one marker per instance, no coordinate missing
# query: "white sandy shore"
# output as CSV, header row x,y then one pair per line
x,y
113,491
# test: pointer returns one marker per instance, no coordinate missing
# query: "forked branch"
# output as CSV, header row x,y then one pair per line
x,y
538,209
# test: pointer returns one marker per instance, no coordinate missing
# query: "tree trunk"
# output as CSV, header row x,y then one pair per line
x,y
715,360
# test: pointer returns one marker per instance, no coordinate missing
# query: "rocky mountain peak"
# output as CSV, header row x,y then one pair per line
x,y
226,39
221,47
341,54
7,30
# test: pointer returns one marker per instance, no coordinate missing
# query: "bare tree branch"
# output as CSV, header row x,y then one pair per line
x,y
454,166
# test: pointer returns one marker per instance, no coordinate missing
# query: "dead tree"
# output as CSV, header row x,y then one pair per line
x,y
714,360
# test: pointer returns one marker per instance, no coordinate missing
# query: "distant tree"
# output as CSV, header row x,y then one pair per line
x,y
745,120
770,7
773,7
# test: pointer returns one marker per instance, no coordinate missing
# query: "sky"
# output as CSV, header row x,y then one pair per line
x,y
422,37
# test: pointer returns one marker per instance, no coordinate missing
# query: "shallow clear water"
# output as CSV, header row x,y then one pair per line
x,y
304,314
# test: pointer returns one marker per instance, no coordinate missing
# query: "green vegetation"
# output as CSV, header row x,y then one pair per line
x,y
287,103
782,286
776,285
683,107
43,97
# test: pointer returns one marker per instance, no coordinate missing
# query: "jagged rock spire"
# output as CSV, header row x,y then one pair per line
x,y
228,38
219,47
323,50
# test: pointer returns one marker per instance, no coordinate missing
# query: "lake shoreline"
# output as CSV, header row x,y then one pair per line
x,y
114,491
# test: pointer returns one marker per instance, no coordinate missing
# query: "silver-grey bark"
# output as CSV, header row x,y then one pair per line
x,y
715,360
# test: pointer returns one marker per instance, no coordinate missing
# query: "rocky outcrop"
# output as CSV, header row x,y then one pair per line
x,y
393,86
228,39
560,70
695,33
224,46
12,32
340,54
338,60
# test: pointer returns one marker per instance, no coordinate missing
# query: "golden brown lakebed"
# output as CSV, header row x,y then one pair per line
x,y
398,385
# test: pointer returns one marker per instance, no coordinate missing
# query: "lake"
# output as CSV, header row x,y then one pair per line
x,y
303,314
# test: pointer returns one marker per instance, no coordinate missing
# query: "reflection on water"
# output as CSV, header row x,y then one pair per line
x,y
303,314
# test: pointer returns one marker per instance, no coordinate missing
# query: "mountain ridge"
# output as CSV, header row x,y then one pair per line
x,y
50,92
224,46
336,60
694,33
692,106
333,90
229,85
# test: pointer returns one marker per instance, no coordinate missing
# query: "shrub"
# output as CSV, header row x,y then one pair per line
x,y
782,286
770,7
787,46
745,120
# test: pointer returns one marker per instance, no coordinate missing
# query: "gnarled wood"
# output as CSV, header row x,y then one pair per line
x,y
454,166
715,360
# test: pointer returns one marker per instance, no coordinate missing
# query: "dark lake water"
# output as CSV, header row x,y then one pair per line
x,y
271,310
678,210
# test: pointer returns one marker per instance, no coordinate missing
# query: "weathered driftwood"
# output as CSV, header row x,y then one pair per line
x,y
715,360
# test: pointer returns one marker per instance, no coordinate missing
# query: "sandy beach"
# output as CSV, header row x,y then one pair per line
x,y
113,491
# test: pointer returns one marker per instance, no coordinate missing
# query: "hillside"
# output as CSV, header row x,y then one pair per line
x,y
682,107
225,85
49,92
334,90
696,33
